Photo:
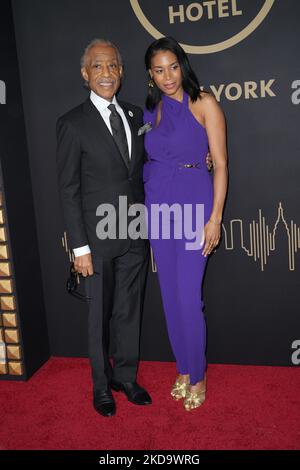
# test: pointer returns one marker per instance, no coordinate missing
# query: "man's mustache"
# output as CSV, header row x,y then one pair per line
x,y
101,81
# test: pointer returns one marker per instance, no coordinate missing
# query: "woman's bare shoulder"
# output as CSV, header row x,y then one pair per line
x,y
207,103
206,98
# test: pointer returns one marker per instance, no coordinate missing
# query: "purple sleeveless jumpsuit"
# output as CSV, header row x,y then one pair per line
x,y
179,139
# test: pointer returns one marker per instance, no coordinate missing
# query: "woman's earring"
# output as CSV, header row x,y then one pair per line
x,y
151,83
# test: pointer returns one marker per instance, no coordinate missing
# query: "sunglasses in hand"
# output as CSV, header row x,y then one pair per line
x,y
73,282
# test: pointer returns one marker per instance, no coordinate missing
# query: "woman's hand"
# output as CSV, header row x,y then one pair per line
x,y
212,235
209,161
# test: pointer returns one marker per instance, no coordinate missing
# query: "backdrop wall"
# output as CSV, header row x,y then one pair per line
x,y
246,53
23,328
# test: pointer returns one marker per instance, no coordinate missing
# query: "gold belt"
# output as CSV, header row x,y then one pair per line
x,y
189,165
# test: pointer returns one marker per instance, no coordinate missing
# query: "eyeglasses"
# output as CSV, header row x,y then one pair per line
x,y
73,283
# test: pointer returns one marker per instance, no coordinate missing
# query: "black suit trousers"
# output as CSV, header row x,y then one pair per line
x,y
116,292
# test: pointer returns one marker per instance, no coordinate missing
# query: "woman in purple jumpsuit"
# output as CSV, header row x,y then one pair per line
x,y
184,123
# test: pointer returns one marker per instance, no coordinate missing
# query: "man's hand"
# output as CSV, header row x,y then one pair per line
x,y
209,162
83,265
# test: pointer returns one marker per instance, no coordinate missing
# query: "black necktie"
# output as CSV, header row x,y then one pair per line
x,y
118,132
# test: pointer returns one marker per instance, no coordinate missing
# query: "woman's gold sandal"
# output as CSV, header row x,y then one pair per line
x,y
179,389
194,399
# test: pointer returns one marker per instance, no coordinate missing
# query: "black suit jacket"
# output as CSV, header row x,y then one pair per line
x,y
91,171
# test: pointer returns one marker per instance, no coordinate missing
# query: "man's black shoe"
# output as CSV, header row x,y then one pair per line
x,y
104,402
133,391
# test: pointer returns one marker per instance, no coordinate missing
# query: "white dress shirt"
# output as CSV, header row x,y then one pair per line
x,y
102,106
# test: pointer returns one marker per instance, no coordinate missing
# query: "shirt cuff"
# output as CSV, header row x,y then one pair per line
x,y
82,250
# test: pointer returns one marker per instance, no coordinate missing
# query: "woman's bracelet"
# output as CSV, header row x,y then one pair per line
x,y
216,223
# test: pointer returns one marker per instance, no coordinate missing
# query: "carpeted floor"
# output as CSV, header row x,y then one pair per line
x,y
247,407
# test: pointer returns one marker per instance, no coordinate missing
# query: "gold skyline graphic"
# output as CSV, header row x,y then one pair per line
x,y
64,242
262,239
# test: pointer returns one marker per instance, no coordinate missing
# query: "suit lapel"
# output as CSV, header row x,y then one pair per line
x,y
94,114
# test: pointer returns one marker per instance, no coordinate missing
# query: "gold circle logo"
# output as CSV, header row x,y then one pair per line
x,y
209,49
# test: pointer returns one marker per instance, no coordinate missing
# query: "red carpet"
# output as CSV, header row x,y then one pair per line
x,y
247,407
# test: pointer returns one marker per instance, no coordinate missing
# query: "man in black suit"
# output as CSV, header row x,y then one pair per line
x,y
100,157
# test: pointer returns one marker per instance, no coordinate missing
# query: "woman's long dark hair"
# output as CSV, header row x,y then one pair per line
x,y
190,82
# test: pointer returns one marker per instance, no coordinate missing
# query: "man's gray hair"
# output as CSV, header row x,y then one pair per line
x,y
99,42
